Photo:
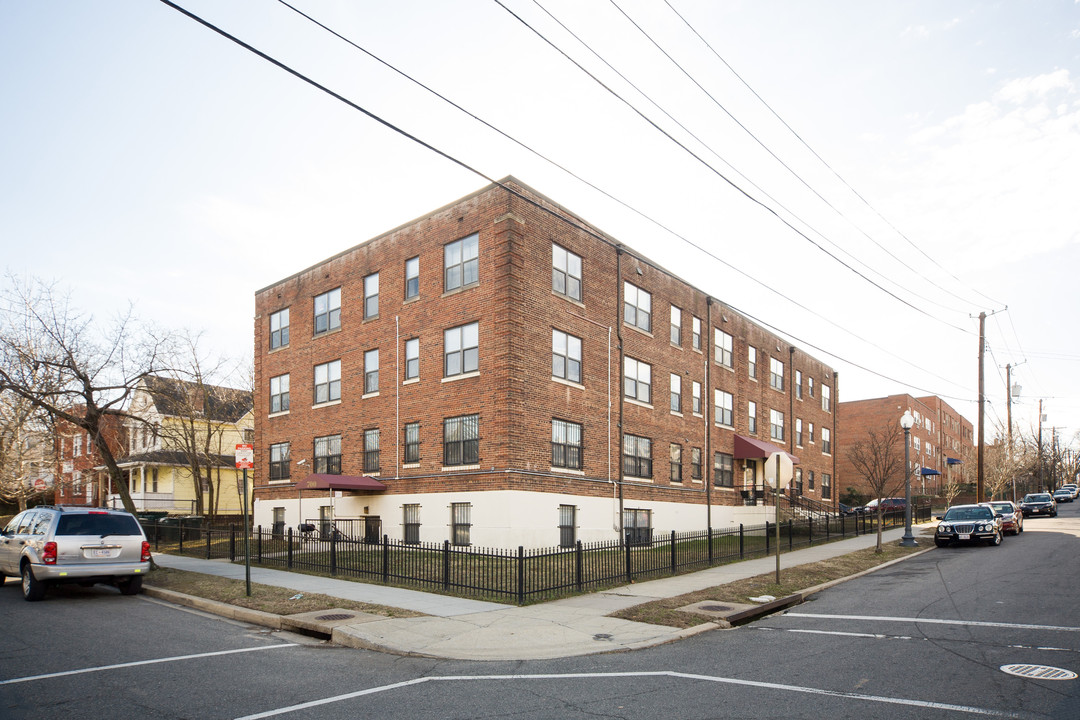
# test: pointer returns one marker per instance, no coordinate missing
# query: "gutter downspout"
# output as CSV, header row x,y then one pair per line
x,y
707,341
618,333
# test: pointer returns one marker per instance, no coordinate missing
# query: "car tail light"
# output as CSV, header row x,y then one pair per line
x,y
145,551
48,555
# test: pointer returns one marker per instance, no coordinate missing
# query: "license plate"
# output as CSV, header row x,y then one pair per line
x,y
965,536
100,553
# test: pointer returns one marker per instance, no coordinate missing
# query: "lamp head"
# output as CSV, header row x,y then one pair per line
x,y
906,420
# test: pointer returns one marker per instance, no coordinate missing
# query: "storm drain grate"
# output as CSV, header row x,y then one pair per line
x,y
1039,672
334,616
716,608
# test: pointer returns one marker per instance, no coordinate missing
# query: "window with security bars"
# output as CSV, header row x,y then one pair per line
x,y
461,440
567,526
675,462
460,523
565,356
637,307
412,442
637,456
411,521
371,450
279,461
371,371
724,469
279,329
327,311
328,455
695,463
461,264
461,350
565,272
566,445
723,344
637,526
279,393
371,296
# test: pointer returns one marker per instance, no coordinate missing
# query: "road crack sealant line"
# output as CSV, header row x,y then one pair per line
x,y
984,712
936,621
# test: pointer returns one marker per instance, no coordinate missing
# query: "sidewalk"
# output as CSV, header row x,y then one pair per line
x,y
459,628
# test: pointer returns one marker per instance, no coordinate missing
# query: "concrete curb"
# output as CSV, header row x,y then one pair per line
x,y
233,612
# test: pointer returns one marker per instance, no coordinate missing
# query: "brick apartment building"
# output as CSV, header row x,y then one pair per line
x,y
942,440
81,478
500,373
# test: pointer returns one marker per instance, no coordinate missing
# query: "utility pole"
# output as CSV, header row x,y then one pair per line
x,y
1040,447
979,492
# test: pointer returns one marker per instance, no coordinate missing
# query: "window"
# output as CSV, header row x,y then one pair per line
x,y
798,384
751,361
776,425
826,485
328,311
565,356
826,398
696,333
565,272
724,469
279,329
279,393
675,461
637,456
412,277
695,397
776,374
799,481
460,523
411,520
637,380
723,413
637,307
565,445
695,463
371,371
722,343
412,442
371,450
461,350
461,440
826,441
461,263
676,393
567,526
811,433
751,413
328,382
798,432
676,326
279,461
637,525
412,358
76,446
810,476
328,455
810,386
371,296
154,480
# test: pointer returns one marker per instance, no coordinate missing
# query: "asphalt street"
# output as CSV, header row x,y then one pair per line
x,y
926,638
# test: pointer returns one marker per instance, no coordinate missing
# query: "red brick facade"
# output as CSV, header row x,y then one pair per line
x,y
513,392
80,475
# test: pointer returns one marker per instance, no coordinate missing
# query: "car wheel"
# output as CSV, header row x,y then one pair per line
x,y
996,540
941,543
32,588
130,585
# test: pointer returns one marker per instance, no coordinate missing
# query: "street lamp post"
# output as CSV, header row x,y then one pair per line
x,y
906,421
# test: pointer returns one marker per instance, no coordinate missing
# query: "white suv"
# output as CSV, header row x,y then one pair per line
x,y
67,544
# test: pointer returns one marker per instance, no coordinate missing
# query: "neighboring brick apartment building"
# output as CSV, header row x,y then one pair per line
x,y
81,478
500,373
942,440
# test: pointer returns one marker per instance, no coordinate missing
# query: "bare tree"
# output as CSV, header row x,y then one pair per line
x,y
90,371
27,449
879,457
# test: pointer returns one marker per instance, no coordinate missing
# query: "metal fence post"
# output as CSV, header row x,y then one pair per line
x,y
790,533
385,558
810,530
710,535
579,563
157,535
208,531
288,553
181,531
232,543
521,575
258,538
741,540
333,553
767,534
672,552
446,565
629,569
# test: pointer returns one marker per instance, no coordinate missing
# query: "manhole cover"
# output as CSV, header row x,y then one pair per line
x,y
334,616
716,608
1039,672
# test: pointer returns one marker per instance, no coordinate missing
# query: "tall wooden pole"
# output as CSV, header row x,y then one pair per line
x,y
979,491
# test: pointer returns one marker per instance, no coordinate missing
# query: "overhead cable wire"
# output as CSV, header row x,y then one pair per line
x,y
615,199
823,162
460,163
723,177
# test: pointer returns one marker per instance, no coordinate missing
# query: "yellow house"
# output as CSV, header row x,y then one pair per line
x,y
181,447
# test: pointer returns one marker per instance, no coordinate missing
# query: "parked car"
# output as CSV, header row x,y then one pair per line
x,y
1038,504
1012,520
969,523
887,504
67,544
1072,488
846,509
1062,495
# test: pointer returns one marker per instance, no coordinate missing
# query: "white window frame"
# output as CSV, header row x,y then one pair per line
x,y
637,380
637,307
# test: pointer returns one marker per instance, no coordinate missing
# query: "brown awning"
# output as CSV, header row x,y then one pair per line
x,y
746,447
318,481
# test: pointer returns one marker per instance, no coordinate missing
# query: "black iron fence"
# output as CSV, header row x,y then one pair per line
x,y
508,575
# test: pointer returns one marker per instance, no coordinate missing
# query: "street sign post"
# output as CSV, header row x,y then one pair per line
x,y
245,460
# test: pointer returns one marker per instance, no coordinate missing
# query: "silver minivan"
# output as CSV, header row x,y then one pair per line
x,y
68,544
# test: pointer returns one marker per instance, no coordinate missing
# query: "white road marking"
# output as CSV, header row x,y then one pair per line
x,y
142,662
663,673
936,621
877,636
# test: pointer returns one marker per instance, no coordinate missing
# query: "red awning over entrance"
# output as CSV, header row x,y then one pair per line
x,y
340,482
746,448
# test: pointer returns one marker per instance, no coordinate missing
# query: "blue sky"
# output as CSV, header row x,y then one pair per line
x,y
146,159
